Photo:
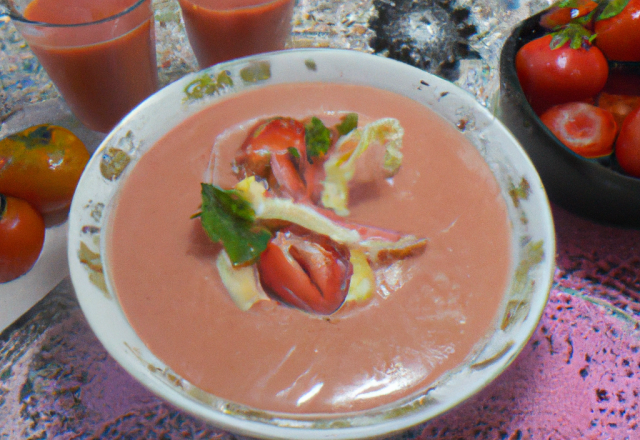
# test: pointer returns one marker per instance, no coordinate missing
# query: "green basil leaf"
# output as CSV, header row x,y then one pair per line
x,y
568,4
293,151
349,122
317,138
228,218
613,8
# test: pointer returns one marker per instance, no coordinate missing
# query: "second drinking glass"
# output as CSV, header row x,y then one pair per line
x,y
220,30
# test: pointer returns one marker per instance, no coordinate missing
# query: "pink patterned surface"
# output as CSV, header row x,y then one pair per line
x,y
600,261
577,378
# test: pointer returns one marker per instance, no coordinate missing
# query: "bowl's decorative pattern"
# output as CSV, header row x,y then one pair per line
x,y
532,231
207,84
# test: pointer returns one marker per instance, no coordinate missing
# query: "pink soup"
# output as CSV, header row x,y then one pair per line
x,y
425,318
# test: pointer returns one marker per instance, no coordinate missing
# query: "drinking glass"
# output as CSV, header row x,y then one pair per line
x,y
221,30
102,67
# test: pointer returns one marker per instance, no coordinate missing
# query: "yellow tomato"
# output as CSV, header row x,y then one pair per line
x,y
42,165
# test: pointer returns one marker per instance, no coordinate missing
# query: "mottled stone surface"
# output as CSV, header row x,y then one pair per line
x,y
481,28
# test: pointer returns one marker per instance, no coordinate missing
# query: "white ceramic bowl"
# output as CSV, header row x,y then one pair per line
x,y
533,245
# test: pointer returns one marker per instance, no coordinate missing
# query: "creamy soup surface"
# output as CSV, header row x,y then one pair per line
x,y
425,318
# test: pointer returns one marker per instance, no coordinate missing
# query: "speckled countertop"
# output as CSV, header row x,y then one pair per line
x,y
578,377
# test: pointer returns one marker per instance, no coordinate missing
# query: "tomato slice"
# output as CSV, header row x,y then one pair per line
x,y
587,130
276,151
21,237
285,173
307,271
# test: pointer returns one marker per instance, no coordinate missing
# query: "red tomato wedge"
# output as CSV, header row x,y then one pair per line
x,y
276,151
586,129
307,271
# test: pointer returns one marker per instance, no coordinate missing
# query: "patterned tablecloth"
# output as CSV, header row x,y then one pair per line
x,y
578,377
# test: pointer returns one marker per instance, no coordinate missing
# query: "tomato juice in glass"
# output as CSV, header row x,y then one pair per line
x,y
221,30
100,54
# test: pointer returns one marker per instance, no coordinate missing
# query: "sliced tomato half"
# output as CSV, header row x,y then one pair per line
x,y
306,270
586,129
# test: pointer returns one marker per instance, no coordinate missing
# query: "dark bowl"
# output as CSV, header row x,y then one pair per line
x,y
593,188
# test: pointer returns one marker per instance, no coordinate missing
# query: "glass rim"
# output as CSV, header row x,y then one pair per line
x,y
234,8
15,15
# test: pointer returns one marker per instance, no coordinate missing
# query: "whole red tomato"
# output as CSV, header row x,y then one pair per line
x,y
628,144
586,129
619,105
21,237
618,37
555,76
561,15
